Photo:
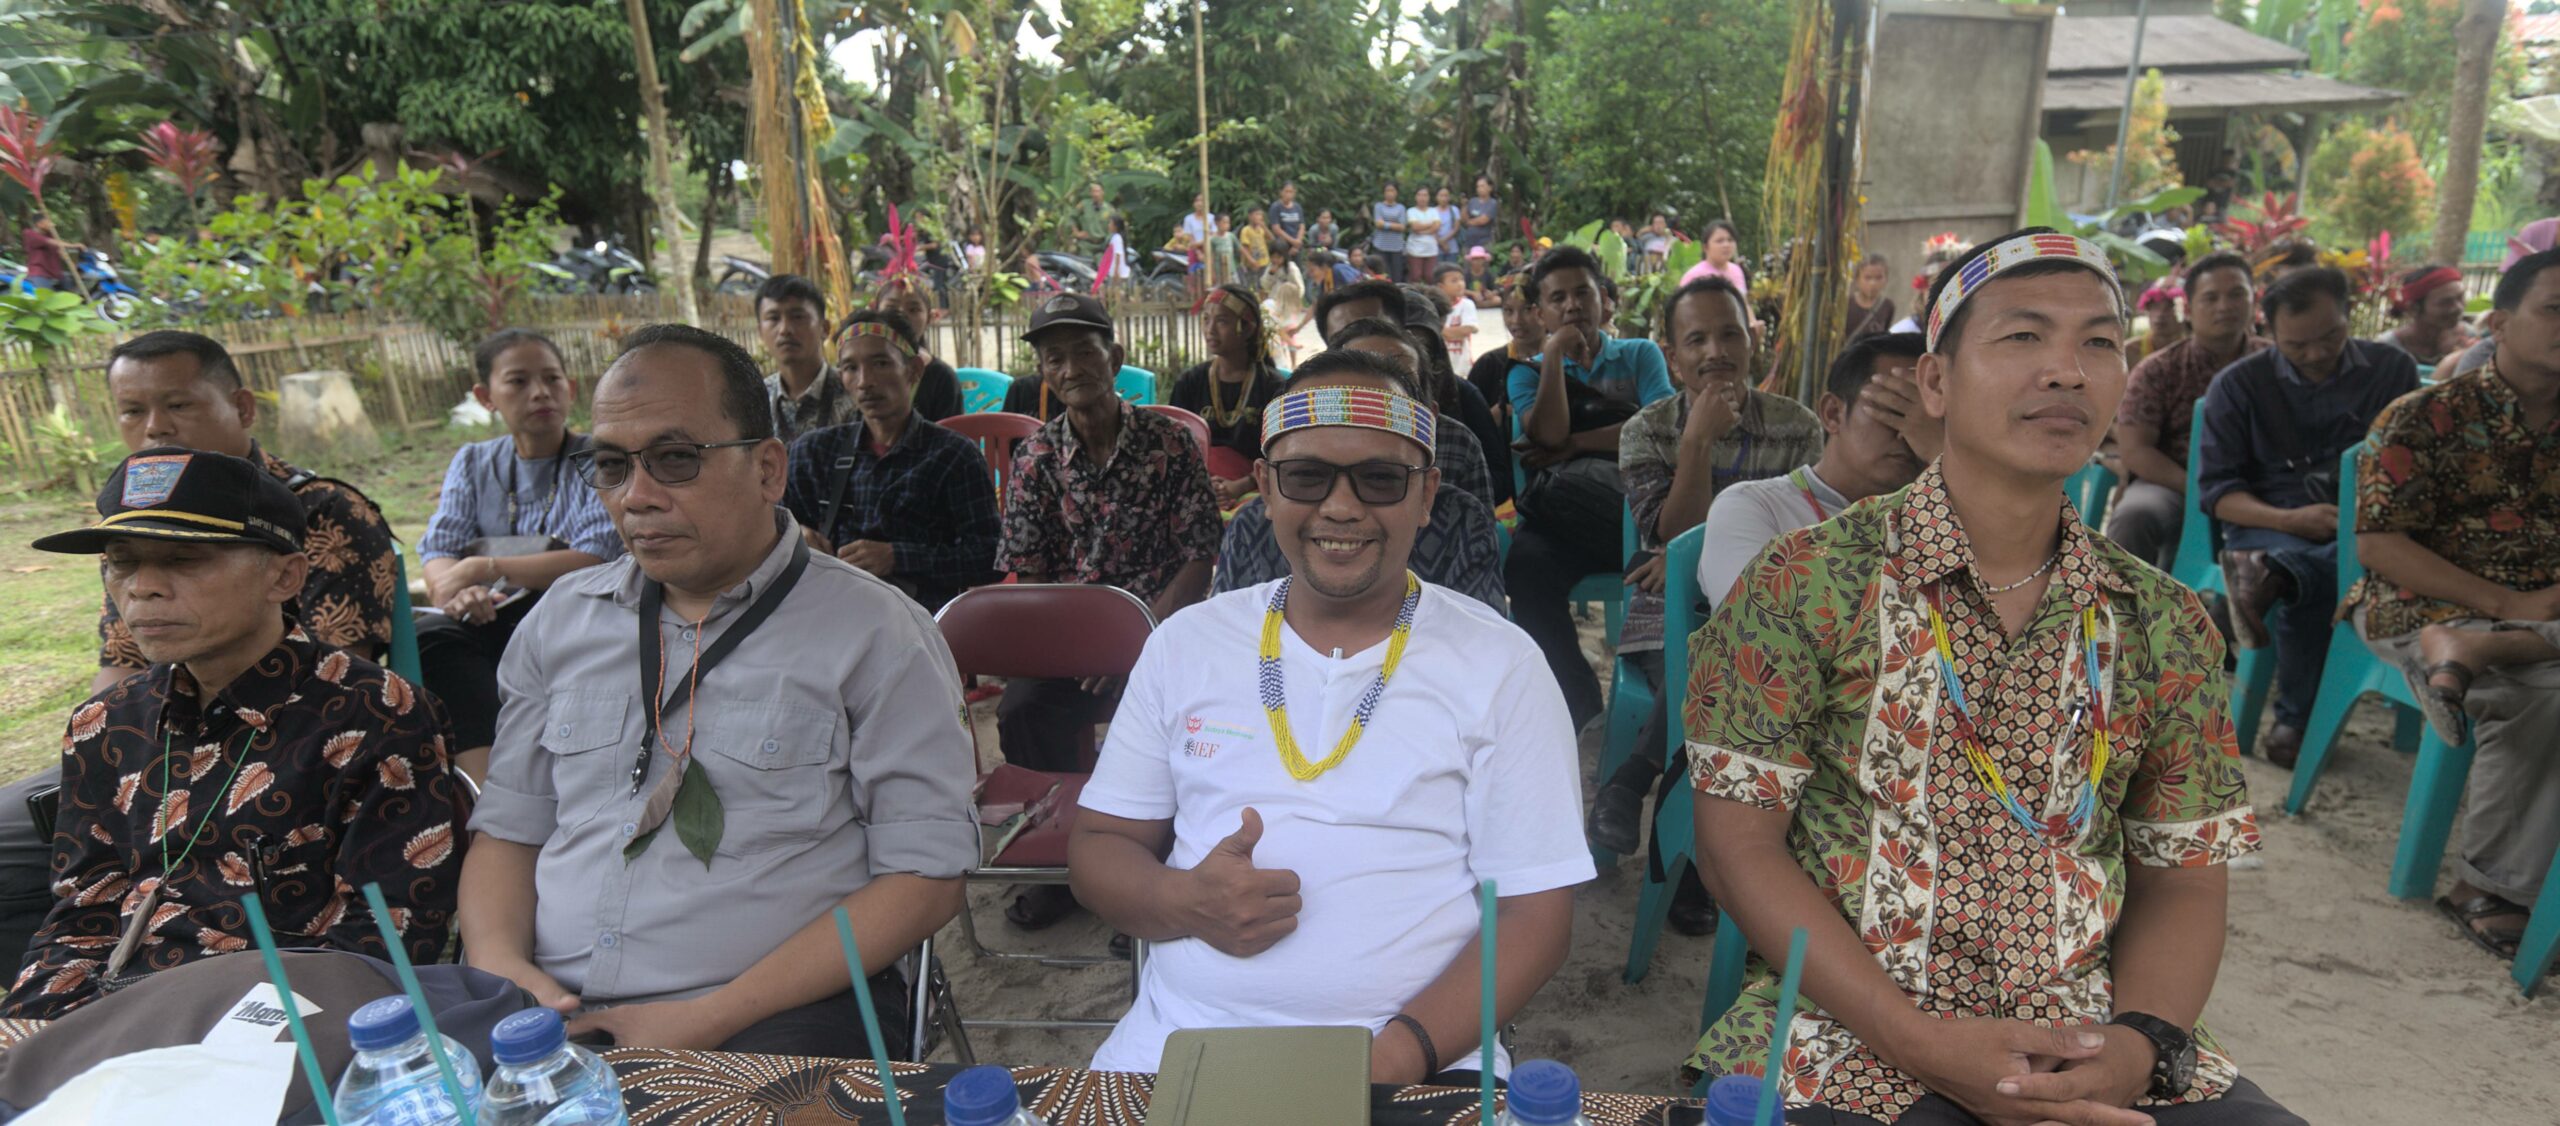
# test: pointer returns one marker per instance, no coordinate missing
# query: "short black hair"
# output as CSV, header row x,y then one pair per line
x,y
484,358
1390,301
2519,279
1424,306
1856,364
1712,283
1952,331
1380,327
741,382
2221,260
782,289
1567,258
2299,290
213,361
1444,269
1338,361
897,322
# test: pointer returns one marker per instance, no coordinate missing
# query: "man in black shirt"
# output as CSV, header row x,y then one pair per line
x,y
937,385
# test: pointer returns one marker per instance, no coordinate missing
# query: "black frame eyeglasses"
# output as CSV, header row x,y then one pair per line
x,y
1309,480
668,463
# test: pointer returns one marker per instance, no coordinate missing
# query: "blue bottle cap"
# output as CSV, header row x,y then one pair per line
x,y
526,1036
980,1096
1544,1091
384,1022
1733,1099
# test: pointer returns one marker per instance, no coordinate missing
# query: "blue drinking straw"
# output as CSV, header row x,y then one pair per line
x,y
418,1002
1778,1032
1484,1047
311,1072
870,1015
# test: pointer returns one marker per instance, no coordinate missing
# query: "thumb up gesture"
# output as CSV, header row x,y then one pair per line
x,y
1236,908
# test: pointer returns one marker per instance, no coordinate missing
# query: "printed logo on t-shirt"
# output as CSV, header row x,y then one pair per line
x,y
1203,738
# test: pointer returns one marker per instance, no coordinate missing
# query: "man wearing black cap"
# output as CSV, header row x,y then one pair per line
x,y
1039,395
249,758
1105,493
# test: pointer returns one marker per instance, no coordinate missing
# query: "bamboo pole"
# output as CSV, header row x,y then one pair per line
x,y
662,182
1200,103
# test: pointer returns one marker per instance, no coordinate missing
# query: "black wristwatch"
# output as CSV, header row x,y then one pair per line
x,y
2173,1063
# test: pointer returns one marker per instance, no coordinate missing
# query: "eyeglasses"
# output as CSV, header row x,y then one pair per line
x,y
1308,481
669,463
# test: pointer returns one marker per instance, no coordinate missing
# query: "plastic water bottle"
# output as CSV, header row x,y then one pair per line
x,y
544,1080
984,1096
1733,1100
1543,1093
393,1081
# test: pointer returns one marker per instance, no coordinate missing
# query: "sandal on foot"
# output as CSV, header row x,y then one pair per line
x,y
1040,906
2442,706
2479,908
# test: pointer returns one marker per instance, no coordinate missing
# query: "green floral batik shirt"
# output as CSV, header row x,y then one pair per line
x,y
1817,691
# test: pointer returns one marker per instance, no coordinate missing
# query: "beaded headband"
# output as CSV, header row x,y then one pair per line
x,y
1347,406
2008,256
884,332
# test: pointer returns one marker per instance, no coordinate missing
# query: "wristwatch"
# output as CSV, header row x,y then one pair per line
x,y
2173,1064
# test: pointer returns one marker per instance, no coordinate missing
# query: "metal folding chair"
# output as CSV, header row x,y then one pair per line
x,y
1040,631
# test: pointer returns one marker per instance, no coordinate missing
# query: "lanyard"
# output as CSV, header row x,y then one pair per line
x,y
2091,710
653,597
1804,484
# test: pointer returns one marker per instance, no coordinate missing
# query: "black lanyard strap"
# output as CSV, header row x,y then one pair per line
x,y
653,595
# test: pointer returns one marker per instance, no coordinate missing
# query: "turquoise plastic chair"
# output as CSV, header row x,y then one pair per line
x,y
1136,384
2253,675
2435,783
403,656
1630,701
982,390
2541,935
2089,491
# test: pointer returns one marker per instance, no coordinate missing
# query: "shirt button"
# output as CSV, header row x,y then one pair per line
x,y
564,731
605,940
630,829
685,633
771,746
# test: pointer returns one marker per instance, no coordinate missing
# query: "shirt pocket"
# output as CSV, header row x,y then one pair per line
x,y
581,732
773,765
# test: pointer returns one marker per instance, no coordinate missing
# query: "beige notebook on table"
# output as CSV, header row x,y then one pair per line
x,y
1262,1077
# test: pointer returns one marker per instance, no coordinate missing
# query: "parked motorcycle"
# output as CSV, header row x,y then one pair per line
x,y
604,267
740,276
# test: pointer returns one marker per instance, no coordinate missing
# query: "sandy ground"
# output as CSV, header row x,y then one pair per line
x,y
2345,1004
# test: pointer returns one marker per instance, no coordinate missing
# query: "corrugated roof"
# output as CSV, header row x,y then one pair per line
x,y
2217,91
2172,43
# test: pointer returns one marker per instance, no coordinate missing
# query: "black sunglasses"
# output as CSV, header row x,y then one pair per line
x,y
1308,481
670,463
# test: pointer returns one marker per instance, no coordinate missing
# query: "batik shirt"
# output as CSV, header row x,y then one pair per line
x,y
2163,390
824,403
1796,705
1770,435
347,600
2455,468
1132,522
320,772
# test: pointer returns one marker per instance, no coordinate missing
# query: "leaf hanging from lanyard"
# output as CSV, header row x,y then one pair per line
x,y
698,817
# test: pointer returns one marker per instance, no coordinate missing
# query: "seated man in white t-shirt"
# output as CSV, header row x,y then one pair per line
x,y
1877,440
1293,864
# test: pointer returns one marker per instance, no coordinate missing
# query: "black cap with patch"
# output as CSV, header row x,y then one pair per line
x,y
169,493
1067,310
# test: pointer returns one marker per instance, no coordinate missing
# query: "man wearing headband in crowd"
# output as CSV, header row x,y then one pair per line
x,y
1462,459
2429,308
1307,780
1458,547
250,757
1231,387
1982,756
891,492
2457,527
937,384
2160,397
2267,469
1108,494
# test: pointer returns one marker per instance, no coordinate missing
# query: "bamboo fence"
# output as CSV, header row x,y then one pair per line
x,y
410,378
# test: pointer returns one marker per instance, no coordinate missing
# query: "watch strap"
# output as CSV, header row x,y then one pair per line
x,y
2168,1043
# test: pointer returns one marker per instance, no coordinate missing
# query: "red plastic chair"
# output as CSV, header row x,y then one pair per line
x,y
996,432
1040,631
1198,426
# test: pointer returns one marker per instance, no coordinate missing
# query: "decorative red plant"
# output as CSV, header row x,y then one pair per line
x,y
2277,222
25,156
187,156
902,248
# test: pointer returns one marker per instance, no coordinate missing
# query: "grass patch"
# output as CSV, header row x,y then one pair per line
x,y
51,632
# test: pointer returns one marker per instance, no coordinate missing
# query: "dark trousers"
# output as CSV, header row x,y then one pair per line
x,y
2300,625
26,869
1388,264
459,663
1539,574
1041,724
831,1027
2243,1105
1645,769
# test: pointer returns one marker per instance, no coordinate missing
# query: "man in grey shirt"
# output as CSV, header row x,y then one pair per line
x,y
673,814
1878,441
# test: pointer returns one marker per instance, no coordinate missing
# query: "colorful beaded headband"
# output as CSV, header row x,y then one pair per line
x,y
2008,256
884,332
1347,406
